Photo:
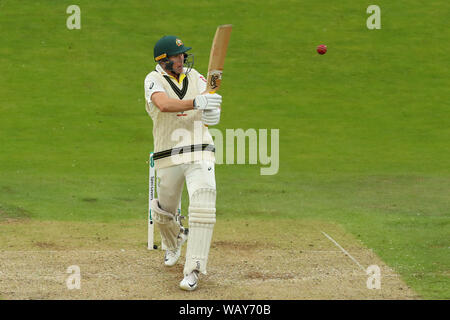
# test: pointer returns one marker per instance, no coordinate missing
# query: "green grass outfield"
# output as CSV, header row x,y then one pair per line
x,y
364,129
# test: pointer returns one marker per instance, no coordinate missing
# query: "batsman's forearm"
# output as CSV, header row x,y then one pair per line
x,y
175,105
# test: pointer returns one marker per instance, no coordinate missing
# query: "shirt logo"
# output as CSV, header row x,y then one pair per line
x,y
151,85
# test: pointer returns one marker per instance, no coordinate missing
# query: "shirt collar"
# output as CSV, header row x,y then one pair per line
x,y
161,71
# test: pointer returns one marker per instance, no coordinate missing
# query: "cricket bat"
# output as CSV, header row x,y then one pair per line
x,y
217,57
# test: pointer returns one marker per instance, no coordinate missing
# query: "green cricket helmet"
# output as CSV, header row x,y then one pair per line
x,y
168,46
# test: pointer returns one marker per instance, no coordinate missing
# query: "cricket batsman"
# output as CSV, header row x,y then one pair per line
x,y
181,110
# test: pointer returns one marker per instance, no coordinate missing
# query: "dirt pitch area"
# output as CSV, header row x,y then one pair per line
x,y
249,259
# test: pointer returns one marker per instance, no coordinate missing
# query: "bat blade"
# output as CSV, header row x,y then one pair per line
x,y
217,57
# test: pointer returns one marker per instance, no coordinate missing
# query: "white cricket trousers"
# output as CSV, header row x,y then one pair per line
x,y
170,182
201,186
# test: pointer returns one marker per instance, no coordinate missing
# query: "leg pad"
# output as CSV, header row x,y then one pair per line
x,y
167,224
202,217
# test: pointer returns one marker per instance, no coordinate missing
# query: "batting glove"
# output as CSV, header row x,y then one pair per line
x,y
207,101
211,117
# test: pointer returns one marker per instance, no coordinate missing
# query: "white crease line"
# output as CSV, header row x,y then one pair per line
x,y
343,250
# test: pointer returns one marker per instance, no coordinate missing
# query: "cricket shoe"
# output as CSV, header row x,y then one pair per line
x,y
171,256
190,282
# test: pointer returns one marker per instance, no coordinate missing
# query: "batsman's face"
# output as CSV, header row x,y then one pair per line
x,y
178,62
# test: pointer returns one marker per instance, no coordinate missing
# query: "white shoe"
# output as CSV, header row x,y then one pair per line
x,y
190,281
171,256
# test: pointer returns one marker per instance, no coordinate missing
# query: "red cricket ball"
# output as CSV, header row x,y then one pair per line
x,y
321,49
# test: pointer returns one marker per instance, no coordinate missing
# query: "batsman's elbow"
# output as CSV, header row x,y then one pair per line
x,y
161,101
163,108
